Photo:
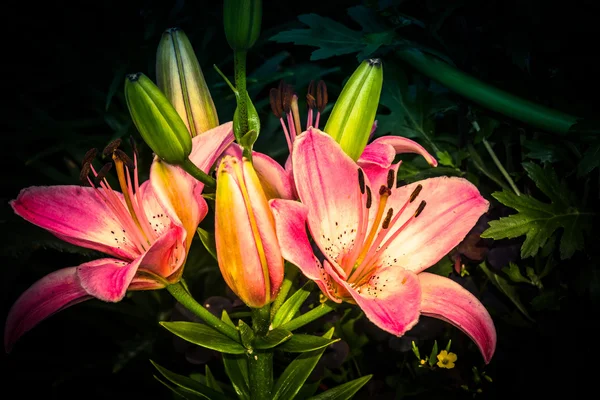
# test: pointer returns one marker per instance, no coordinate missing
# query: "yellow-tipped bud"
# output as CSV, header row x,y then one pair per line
x,y
353,114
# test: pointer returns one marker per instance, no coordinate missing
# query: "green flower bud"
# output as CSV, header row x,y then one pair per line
x,y
253,121
242,19
179,76
156,119
353,114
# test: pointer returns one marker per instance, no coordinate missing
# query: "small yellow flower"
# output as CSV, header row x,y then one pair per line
x,y
446,360
422,362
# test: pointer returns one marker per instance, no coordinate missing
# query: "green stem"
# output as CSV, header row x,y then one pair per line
x,y
239,60
197,173
291,271
487,95
184,297
308,317
501,167
260,363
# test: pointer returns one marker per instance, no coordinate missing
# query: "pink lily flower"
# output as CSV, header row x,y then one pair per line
x,y
376,240
146,230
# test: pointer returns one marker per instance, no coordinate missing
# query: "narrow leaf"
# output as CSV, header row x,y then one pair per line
x,y
188,384
208,240
211,382
434,352
236,367
301,343
291,306
345,391
505,287
204,336
273,338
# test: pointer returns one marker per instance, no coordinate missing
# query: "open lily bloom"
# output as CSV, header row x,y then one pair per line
x,y
376,240
146,230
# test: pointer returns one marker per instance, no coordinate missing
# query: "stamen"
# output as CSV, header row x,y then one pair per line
x,y
361,180
416,192
84,174
288,92
275,100
89,156
322,97
420,208
369,199
310,95
102,173
386,221
123,157
390,179
112,146
296,114
133,146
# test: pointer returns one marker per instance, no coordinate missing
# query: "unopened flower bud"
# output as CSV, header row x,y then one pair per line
x,y
353,114
156,119
242,19
179,76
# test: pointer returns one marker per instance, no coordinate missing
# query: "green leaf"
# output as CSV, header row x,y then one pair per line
x,y
448,345
204,336
246,334
590,160
274,338
211,382
505,287
345,391
294,376
537,220
178,391
189,385
415,350
434,353
444,158
514,273
288,310
301,343
208,240
236,367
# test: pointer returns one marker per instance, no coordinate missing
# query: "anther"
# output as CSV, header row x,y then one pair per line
x,y
275,100
121,156
321,96
384,191
369,199
288,93
361,180
310,95
85,172
390,179
420,208
416,192
89,156
112,146
387,219
133,144
102,173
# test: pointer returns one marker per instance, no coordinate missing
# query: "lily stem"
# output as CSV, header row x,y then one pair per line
x,y
501,167
239,65
180,293
260,362
308,317
197,173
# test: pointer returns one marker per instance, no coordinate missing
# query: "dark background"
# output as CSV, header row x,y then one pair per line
x,y
64,61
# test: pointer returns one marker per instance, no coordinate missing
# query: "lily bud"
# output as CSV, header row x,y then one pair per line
x,y
354,112
179,76
247,248
156,119
242,19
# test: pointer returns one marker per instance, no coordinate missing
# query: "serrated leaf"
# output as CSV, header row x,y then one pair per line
x,y
290,307
505,287
301,343
274,338
236,367
344,391
444,158
189,385
294,376
537,220
204,336
208,240
514,273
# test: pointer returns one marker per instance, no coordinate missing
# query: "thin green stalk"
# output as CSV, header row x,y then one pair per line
x,y
488,96
239,60
184,297
308,317
501,167
197,173
260,363
291,271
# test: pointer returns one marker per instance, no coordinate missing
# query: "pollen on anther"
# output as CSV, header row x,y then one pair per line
x,y
361,180
388,218
416,192
390,179
369,199
420,208
112,146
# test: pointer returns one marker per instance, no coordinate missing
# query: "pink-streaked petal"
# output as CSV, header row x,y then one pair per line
x,y
167,254
403,145
107,279
76,215
179,194
390,299
327,183
376,160
52,293
445,299
208,146
276,181
453,206
144,283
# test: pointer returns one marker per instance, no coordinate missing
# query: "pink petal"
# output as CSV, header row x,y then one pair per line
x,y
403,145
376,160
144,283
276,181
453,207
208,146
167,254
447,300
52,293
327,183
76,215
107,279
390,299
